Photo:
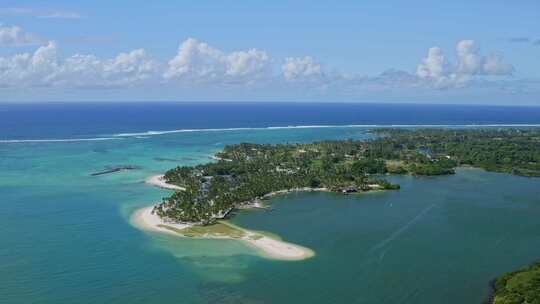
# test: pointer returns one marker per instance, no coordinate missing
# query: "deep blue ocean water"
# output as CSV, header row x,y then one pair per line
x,y
74,120
66,236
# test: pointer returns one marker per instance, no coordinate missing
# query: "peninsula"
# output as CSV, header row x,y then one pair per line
x,y
268,246
243,175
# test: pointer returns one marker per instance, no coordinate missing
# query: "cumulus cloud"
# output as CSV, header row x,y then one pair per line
x,y
301,69
196,61
495,65
126,69
472,63
435,65
39,13
469,63
16,36
44,67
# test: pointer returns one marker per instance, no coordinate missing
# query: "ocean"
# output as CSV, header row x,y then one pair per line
x,y
88,120
67,237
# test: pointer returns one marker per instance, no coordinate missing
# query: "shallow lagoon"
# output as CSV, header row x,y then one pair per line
x,y
66,236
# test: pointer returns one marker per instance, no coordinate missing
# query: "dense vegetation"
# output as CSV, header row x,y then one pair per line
x,y
245,173
519,287
515,151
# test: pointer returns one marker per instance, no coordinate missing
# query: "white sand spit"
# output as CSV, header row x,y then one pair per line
x,y
277,249
268,247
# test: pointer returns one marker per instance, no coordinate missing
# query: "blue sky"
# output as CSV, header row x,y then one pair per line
x,y
482,52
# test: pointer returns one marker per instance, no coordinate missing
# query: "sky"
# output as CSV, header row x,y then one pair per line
x,y
463,52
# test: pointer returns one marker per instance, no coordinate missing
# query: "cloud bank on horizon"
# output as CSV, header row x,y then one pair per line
x,y
196,62
33,64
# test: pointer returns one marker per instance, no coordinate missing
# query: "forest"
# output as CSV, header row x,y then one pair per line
x,y
246,173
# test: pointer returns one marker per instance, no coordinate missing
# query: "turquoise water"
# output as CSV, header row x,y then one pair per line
x,y
66,236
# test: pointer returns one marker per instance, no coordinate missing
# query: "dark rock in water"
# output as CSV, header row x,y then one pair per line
x,y
115,169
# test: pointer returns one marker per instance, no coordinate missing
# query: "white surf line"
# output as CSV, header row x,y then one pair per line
x,y
143,135
55,140
147,133
162,132
401,230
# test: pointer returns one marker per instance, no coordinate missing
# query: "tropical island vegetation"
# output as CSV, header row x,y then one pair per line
x,y
246,173
522,286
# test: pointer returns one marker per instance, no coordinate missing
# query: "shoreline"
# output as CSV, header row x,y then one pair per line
x,y
144,219
266,246
287,191
272,248
159,181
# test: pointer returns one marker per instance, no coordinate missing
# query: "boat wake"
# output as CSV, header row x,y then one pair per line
x,y
401,230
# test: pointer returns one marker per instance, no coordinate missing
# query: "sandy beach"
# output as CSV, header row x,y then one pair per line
x,y
276,249
266,246
269,247
159,181
146,220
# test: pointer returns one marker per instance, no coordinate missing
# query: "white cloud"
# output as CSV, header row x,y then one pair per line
x,y
471,62
495,65
16,36
45,68
126,69
435,65
198,62
39,13
437,70
301,69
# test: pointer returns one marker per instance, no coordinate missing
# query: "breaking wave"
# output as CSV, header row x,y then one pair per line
x,y
163,132
146,134
53,140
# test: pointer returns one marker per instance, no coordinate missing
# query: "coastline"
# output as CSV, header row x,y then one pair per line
x,y
159,181
266,246
144,219
304,189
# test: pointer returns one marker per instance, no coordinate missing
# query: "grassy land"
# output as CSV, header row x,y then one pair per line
x,y
221,229
218,229
519,287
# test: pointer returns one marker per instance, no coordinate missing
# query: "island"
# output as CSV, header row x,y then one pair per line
x,y
244,175
522,286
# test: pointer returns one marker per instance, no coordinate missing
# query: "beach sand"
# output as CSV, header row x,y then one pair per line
x,y
276,249
159,181
146,220
267,246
